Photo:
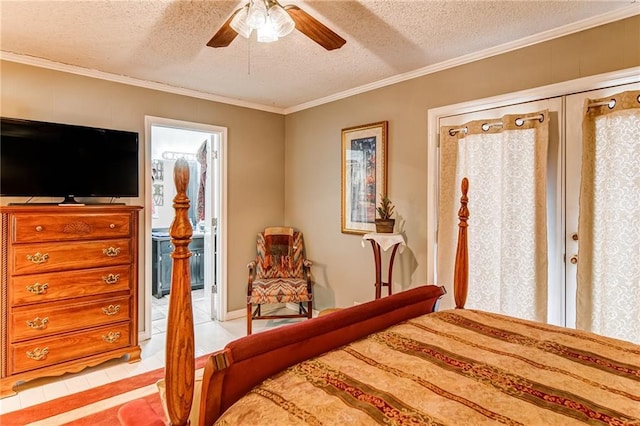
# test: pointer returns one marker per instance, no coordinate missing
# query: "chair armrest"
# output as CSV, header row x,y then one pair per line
x,y
306,263
251,266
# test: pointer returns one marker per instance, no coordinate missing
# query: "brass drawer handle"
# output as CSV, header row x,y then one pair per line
x,y
39,228
38,354
111,337
111,310
37,288
38,323
112,226
111,251
111,278
38,258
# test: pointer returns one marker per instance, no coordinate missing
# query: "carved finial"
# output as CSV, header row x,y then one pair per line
x,y
181,227
463,212
181,177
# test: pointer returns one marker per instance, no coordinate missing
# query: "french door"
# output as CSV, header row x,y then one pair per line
x,y
563,189
574,110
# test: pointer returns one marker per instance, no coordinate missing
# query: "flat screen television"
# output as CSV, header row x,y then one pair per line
x,y
40,159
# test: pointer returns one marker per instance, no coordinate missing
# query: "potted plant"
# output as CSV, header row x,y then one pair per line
x,y
385,223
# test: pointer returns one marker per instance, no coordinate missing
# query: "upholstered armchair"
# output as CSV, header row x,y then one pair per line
x,y
279,274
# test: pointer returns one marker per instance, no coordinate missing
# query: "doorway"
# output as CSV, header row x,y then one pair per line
x,y
202,146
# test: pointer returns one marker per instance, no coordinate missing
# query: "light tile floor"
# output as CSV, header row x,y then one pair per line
x,y
209,337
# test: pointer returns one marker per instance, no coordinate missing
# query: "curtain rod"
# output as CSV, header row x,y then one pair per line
x,y
611,103
486,126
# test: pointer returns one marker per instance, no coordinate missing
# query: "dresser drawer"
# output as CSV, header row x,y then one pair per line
x,y
38,258
48,351
26,289
66,227
44,320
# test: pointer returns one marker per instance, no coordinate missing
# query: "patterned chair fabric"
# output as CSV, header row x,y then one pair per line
x,y
279,268
279,255
279,274
279,290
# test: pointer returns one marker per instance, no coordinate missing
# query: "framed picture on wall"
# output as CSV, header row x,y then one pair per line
x,y
157,170
158,194
364,175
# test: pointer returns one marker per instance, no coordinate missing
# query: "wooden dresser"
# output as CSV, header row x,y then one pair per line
x,y
69,289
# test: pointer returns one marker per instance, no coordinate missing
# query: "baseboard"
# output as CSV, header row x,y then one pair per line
x,y
294,307
242,313
239,313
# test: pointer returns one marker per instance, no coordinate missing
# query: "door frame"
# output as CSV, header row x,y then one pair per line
x,y
434,115
221,188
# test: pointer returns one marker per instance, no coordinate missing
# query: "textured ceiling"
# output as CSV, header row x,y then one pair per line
x,y
164,41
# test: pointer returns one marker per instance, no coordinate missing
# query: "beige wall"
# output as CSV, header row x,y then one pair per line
x,y
310,200
343,269
255,139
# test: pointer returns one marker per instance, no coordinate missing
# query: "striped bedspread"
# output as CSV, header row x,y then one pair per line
x,y
457,367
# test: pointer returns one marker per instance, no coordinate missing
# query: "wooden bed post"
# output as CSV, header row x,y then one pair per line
x,y
180,363
461,270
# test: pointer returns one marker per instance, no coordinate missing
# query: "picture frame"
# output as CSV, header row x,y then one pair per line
x,y
364,175
157,170
158,194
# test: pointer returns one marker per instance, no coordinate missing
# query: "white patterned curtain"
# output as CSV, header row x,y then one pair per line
x,y
506,166
608,288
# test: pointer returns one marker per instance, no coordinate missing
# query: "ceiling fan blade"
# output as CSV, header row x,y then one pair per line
x,y
225,34
314,29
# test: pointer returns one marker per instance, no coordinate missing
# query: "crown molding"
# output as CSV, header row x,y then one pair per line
x,y
585,24
57,66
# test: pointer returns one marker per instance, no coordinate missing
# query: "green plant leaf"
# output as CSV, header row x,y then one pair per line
x,y
385,209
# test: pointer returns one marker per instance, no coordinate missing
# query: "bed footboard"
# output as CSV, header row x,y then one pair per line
x,y
232,372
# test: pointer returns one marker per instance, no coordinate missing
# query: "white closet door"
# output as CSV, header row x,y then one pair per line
x,y
556,290
574,118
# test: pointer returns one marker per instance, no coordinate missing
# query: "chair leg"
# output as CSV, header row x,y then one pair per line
x,y
249,319
309,309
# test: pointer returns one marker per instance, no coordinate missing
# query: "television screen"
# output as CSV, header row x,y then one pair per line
x,y
39,159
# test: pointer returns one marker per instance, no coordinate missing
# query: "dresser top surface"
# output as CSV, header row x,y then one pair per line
x,y
54,208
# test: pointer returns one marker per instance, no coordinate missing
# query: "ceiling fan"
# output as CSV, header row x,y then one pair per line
x,y
271,21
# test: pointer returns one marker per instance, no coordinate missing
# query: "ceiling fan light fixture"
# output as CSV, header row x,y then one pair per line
x,y
273,21
257,14
239,22
282,22
267,33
